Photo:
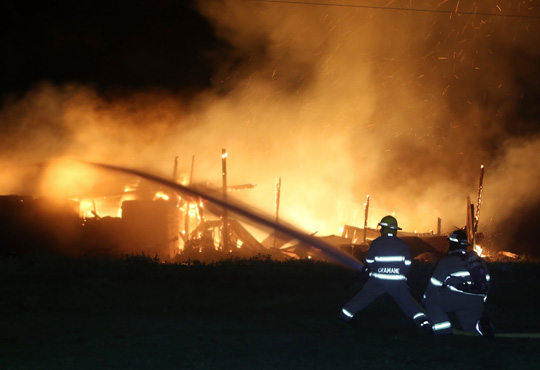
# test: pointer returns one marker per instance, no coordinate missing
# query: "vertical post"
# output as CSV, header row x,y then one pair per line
x,y
366,218
199,204
189,201
278,196
225,218
472,233
175,170
176,197
439,223
479,201
470,221
191,171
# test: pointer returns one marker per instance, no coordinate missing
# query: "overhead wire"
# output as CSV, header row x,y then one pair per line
x,y
457,12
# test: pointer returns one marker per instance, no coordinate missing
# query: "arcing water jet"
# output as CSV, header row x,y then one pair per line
x,y
246,211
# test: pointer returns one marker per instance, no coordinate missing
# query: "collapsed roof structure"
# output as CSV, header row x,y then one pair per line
x,y
172,226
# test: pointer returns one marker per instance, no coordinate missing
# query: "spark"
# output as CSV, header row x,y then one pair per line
x,y
287,2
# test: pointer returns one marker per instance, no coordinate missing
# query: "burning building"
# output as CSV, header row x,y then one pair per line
x,y
143,219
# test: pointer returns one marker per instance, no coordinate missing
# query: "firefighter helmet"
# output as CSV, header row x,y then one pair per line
x,y
459,238
389,222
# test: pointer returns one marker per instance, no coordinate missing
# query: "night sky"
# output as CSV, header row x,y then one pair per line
x,y
111,45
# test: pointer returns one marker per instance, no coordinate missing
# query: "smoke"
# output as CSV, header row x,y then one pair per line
x,y
402,105
339,102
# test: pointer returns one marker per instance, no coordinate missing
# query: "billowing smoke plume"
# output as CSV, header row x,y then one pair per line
x,y
337,101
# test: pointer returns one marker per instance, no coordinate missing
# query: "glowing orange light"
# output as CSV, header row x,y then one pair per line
x,y
192,210
161,195
479,250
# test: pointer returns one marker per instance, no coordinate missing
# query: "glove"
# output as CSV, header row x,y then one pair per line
x,y
363,274
366,271
360,277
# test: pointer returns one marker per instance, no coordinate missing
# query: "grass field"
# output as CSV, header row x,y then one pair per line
x,y
136,313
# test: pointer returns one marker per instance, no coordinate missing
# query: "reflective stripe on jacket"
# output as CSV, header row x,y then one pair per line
x,y
388,258
451,272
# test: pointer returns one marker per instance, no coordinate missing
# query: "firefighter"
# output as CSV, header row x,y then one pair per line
x,y
459,285
387,263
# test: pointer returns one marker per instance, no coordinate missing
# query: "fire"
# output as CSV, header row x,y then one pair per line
x,y
161,195
129,188
193,211
479,250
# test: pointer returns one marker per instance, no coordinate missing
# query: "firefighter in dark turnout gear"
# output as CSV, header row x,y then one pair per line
x,y
460,285
387,263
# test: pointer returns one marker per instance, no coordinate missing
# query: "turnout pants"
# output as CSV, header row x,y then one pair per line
x,y
399,290
439,302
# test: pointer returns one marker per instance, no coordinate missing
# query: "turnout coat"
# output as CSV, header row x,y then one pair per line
x,y
388,261
448,292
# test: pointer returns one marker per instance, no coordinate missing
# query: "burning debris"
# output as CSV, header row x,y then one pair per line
x,y
143,219
147,218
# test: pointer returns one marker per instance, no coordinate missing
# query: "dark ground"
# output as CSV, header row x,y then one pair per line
x,y
136,313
